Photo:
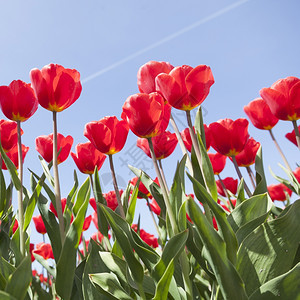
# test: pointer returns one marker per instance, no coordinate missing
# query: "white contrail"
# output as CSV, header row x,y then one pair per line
x,y
166,39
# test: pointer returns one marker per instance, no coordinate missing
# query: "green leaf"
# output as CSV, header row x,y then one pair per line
x,y
286,286
240,193
6,296
46,170
216,255
116,223
67,261
269,251
261,183
81,196
19,281
45,264
11,169
110,283
2,193
132,204
224,227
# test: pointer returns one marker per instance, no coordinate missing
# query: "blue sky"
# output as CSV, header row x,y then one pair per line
x,y
248,45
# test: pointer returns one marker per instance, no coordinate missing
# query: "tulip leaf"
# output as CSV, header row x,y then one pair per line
x,y
132,204
11,169
109,283
19,281
285,286
67,261
117,224
2,192
225,272
199,126
240,192
152,187
249,210
6,296
102,222
270,250
15,246
45,264
182,225
224,227
46,169
94,264
81,196
261,183
51,226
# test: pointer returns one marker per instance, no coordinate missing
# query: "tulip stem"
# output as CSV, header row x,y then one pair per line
x,y
181,144
20,192
56,181
113,174
240,175
251,176
279,150
163,174
296,133
163,188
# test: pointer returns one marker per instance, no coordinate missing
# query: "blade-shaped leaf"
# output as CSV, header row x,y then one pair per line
x,y
261,183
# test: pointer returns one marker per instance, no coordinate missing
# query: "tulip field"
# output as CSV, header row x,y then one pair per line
x,y
230,238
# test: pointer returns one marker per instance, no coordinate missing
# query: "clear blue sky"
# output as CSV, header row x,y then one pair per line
x,y
248,44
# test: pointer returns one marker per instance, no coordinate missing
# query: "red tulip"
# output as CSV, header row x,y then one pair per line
x,y
87,223
31,248
95,219
185,87
44,250
155,207
13,156
56,87
297,174
141,187
186,137
229,137
15,226
218,162
291,136
163,144
87,157
247,156
18,101
63,205
278,192
44,145
146,115
260,114
283,98
230,184
9,135
108,135
98,237
148,238
147,73
39,224
111,199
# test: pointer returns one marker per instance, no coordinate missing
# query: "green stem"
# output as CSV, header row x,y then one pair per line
x,y
113,174
279,150
163,174
250,175
20,192
181,144
296,133
105,238
56,181
240,175
163,188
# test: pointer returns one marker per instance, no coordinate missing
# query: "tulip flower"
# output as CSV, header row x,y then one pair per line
x,y
15,226
9,134
229,183
155,207
147,73
13,156
247,156
98,237
108,135
218,162
148,238
291,136
56,87
229,137
39,224
163,144
31,248
186,137
87,157
63,205
146,115
111,199
279,192
92,202
44,250
297,174
260,114
44,145
86,223
185,87
142,188
283,98
18,101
